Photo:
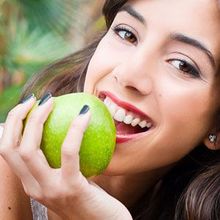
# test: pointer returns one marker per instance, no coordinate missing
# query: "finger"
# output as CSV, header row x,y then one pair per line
x,y
14,124
72,142
30,143
11,136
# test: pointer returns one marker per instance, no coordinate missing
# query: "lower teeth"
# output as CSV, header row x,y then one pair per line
x,y
122,128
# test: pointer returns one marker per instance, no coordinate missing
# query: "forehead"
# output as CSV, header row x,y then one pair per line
x,y
199,19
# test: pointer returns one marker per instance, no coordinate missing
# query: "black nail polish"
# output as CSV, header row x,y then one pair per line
x,y
25,99
46,97
84,109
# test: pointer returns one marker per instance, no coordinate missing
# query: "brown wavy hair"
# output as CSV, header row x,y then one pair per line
x,y
183,193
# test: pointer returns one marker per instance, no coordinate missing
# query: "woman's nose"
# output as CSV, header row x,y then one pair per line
x,y
135,75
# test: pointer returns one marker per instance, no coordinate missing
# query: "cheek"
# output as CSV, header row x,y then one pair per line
x,y
108,56
100,65
185,111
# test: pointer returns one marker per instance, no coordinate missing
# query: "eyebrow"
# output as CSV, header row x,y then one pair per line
x,y
175,36
131,11
195,43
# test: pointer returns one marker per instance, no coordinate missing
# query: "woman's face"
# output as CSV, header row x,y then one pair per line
x,y
156,68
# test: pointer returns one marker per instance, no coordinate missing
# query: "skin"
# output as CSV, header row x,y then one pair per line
x,y
146,73
158,89
14,203
141,74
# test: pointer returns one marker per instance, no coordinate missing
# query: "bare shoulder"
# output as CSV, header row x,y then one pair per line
x,y
14,203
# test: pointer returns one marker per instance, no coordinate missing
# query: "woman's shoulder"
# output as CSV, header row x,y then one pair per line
x,y
14,204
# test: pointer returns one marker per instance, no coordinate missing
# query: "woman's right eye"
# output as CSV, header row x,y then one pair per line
x,y
125,34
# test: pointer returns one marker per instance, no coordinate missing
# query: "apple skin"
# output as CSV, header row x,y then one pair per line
x,y
99,139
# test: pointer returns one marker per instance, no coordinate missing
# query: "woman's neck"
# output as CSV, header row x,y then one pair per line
x,y
128,189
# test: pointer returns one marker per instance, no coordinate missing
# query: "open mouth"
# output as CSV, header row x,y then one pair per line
x,y
128,120
124,129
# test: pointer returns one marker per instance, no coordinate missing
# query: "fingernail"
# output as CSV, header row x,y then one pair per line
x,y
46,97
84,109
27,98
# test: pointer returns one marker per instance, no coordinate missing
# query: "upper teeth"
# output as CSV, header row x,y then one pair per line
x,y
121,115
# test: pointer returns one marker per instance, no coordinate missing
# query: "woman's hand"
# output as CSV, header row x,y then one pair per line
x,y
65,191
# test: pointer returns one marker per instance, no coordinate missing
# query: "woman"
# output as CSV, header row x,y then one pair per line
x,y
157,66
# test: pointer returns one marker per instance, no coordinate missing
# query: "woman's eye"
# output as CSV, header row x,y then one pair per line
x,y
185,67
125,34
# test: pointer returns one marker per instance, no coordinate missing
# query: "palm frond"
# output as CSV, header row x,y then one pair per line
x,y
27,48
57,16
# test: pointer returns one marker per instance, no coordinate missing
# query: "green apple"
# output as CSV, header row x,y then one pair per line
x,y
99,138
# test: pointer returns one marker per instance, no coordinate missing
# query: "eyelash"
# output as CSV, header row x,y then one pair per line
x,y
191,70
119,28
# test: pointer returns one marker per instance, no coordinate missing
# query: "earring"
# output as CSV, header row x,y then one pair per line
x,y
213,138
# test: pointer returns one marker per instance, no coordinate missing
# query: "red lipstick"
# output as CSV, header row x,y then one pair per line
x,y
124,104
121,135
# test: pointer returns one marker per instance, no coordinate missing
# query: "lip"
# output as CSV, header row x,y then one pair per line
x,y
123,104
129,107
125,138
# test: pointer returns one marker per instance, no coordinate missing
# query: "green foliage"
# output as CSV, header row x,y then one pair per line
x,y
8,99
29,51
33,33
55,16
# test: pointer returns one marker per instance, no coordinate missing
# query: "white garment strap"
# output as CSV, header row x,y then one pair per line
x,y
39,211
1,130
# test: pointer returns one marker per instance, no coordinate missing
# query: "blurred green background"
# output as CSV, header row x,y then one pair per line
x,y
34,33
